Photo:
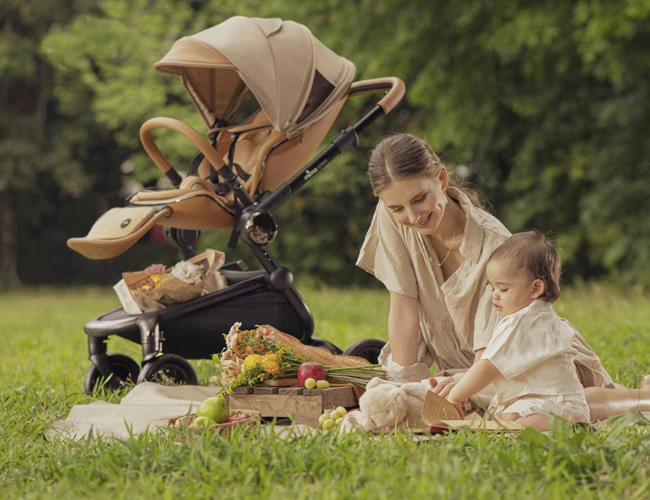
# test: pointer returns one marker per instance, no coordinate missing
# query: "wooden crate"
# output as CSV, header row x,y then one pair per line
x,y
304,405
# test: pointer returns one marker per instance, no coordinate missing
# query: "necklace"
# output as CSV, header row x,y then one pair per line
x,y
448,252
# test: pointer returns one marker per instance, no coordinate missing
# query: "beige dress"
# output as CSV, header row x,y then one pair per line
x,y
533,351
456,316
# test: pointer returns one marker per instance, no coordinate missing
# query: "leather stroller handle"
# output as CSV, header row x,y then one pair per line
x,y
394,85
160,159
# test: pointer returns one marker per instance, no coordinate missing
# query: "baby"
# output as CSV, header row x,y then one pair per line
x,y
530,359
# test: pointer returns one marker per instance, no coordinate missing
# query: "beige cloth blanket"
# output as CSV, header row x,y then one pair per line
x,y
147,407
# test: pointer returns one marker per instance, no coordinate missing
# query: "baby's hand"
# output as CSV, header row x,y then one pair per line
x,y
442,388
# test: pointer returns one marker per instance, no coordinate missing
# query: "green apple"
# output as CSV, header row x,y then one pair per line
x,y
215,408
202,422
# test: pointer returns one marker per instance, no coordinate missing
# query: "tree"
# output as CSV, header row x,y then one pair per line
x,y
34,145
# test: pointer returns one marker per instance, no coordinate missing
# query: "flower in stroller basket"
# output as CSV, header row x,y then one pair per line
x,y
157,286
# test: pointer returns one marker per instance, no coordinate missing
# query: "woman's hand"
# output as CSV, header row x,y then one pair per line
x,y
443,387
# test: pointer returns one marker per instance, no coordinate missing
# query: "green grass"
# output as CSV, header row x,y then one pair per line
x,y
44,360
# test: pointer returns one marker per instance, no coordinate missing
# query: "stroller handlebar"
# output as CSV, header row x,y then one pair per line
x,y
347,138
161,160
394,85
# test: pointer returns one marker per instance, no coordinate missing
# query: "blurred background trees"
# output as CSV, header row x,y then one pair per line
x,y
545,106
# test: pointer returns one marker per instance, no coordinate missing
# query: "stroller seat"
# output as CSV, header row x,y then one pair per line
x,y
265,155
191,185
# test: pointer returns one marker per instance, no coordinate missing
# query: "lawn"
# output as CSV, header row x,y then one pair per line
x,y
44,359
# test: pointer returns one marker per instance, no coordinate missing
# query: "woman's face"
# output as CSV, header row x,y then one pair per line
x,y
418,202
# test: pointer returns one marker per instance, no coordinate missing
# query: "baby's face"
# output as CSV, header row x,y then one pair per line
x,y
511,291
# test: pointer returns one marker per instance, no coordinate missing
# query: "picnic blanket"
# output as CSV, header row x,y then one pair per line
x,y
147,407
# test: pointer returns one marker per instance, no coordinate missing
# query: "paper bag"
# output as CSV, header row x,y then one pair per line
x,y
171,290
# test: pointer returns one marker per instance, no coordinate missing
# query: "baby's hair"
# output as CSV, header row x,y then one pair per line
x,y
537,257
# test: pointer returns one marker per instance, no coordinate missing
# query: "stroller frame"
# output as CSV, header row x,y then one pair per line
x,y
255,218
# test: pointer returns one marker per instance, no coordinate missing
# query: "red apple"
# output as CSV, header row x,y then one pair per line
x,y
310,370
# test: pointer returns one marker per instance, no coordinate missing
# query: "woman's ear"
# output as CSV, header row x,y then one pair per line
x,y
538,288
443,177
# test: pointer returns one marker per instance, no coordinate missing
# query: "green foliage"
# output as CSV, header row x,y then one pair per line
x,y
547,101
34,143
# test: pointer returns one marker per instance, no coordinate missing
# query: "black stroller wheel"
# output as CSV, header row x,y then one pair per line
x,y
367,349
328,346
169,369
121,365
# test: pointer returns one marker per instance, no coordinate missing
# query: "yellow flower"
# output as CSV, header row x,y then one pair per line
x,y
252,360
269,356
270,366
157,280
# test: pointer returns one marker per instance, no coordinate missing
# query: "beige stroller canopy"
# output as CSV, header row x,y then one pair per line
x,y
294,77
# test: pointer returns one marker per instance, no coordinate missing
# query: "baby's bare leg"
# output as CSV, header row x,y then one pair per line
x,y
539,422
507,417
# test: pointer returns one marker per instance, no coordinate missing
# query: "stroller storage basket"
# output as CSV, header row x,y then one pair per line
x,y
199,334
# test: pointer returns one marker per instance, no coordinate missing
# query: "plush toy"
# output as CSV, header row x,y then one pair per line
x,y
388,405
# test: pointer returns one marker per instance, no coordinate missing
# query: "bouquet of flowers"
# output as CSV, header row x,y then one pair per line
x,y
252,356
157,287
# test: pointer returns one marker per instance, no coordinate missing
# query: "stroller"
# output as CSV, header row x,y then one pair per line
x,y
243,173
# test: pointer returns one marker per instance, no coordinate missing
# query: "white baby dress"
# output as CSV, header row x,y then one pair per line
x,y
533,350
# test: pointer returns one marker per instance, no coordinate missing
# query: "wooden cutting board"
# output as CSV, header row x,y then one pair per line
x,y
293,382
282,382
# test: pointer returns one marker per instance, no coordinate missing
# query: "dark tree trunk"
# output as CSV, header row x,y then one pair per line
x,y
8,244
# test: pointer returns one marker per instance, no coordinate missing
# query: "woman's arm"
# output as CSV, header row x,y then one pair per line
x,y
478,377
403,328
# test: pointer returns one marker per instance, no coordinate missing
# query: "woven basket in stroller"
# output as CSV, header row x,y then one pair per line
x,y
244,172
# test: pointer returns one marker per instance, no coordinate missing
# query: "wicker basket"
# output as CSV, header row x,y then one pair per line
x,y
255,418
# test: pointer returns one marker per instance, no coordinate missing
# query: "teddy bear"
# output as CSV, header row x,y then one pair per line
x,y
388,405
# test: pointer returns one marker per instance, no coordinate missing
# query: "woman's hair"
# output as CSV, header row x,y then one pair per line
x,y
400,156
536,256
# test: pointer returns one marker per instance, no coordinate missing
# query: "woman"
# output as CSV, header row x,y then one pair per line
x,y
429,243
